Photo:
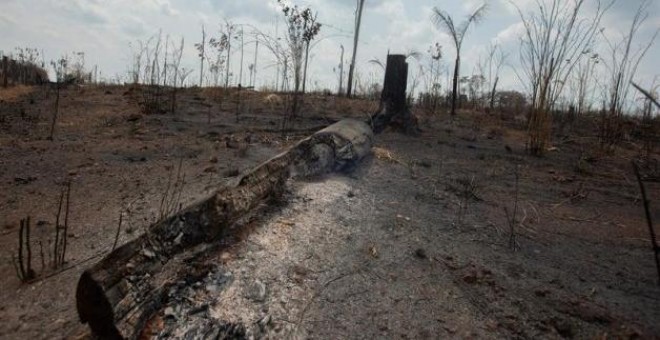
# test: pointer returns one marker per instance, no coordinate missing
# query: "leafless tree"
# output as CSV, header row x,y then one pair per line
x,y
201,49
443,20
279,51
491,68
314,28
176,64
302,28
220,45
622,65
582,82
137,61
229,31
61,69
431,72
356,39
555,38
167,47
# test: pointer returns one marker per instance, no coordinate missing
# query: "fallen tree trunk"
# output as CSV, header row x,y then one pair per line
x,y
118,295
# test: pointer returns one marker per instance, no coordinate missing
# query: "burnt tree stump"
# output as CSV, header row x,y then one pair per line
x,y
393,108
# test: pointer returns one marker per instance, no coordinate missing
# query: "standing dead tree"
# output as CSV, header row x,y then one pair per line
x,y
229,31
220,45
5,71
279,51
356,39
201,49
443,20
554,41
177,53
60,67
582,82
302,29
431,73
622,65
491,69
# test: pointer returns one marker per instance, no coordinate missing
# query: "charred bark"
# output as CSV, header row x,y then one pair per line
x,y
393,107
119,294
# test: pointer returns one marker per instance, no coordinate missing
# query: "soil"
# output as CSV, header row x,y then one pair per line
x,y
413,243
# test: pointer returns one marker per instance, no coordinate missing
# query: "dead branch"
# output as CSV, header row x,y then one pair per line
x,y
66,223
114,245
649,221
647,94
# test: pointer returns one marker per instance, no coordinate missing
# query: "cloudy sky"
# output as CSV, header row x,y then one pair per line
x,y
103,29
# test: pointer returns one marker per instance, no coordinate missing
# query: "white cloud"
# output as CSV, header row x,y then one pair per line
x,y
103,28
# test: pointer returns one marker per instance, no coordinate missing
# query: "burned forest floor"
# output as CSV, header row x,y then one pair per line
x,y
455,233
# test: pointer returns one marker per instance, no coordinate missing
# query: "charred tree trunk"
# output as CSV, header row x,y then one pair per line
x,y
119,294
454,90
393,107
356,39
493,93
5,72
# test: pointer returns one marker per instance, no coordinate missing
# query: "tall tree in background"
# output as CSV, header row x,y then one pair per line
x,y
314,28
201,48
220,45
356,38
301,29
491,68
229,32
444,21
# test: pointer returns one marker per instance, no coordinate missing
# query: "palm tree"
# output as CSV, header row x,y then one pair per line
x,y
444,21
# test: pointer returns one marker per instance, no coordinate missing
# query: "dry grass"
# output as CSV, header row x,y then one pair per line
x,y
12,94
387,155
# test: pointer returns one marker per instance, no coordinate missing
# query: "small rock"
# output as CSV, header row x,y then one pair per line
x,y
470,278
169,313
134,117
178,239
257,291
212,288
264,322
421,254
199,309
564,328
22,180
231,172
213,160
541,292
148,253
